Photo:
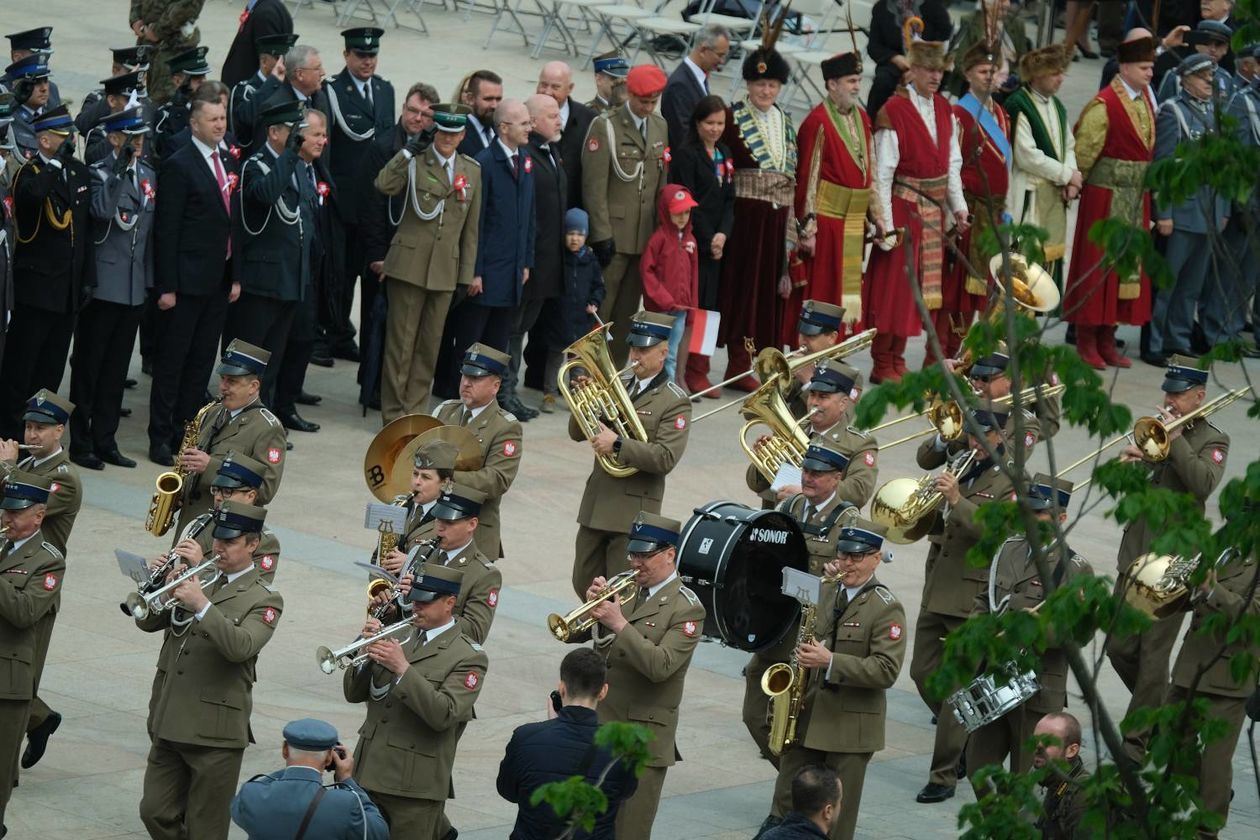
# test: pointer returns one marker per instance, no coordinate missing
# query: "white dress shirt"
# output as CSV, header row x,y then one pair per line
x,y
888,156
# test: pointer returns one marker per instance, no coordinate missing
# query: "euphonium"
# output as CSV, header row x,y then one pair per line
x,y
603,399
784,684
170,485
355,653
564,627
787,441
1151,434
904,505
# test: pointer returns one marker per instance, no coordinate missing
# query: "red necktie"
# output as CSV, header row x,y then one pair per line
x,y
516,173
223,192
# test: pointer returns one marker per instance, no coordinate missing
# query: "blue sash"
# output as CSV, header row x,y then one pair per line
x,y
984,117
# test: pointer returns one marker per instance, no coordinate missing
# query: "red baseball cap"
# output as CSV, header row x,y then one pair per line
x,y
681,200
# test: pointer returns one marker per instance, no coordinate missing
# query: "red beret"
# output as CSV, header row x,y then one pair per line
x,y
645,80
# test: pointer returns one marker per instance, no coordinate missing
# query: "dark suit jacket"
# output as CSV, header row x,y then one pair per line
x,y
507,220
550,198
682,92
551,751
193,226
52,266
474,142
346,155
269,17
691,166
275,261
377,212
6,263
274,92
571,142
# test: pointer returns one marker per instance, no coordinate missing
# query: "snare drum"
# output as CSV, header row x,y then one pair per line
x,y
984,701
732,556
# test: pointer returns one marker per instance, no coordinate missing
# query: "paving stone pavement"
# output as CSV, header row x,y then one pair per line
x,y
100,667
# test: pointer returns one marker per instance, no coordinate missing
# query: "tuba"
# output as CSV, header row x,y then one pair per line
x,y
603,399
170,485
787,442
784,684
904,505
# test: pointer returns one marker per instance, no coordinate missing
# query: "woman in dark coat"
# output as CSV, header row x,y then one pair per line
x,y
703,165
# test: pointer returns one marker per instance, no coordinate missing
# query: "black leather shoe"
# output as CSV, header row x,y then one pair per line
x,y
88,461
160,454
37,740
124,412
322,361
513,405
129,383
1155,360
304,398
933,792
295,422
347,351
117,459
288,446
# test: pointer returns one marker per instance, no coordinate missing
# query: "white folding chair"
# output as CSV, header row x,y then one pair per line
x,y
658,25
616,21
565,18
509,19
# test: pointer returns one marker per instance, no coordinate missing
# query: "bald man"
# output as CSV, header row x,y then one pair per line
x,y
556,81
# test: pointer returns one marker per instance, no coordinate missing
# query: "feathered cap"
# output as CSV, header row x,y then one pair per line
x,y
765,62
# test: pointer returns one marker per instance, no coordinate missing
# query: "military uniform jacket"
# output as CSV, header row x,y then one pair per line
x,y
621,175
950,585
271,807
123,215
354,124
647,665
1016,585
202,693
408,738
1064,804
439,250
1235,581
611,504
858,485
278,207
31,577
420,526
65,497
6,250
266,556
499,433
255,432
478,590
822,529
845,706
50,206
1195,464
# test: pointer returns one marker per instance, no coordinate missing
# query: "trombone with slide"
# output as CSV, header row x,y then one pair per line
x,y
946,416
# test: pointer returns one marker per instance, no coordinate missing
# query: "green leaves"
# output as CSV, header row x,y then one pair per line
x,y
579,803
1128,249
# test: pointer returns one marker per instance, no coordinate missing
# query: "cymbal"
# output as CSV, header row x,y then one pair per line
x,y
469,458
384,482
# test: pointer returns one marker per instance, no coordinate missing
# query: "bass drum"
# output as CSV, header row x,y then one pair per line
x,y
732,557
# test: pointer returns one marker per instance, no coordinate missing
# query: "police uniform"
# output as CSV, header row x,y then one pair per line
x,y
950,588
172,115
862,450
1194,466
609,504
647,666
29,70
93,119
480,580
433,251
842,723
1015,584
623,168
203,694
50,255
238,471
414,721
499,434
278,805
253,431
31,576
1212,655
39,42
821,524
239,118
613,65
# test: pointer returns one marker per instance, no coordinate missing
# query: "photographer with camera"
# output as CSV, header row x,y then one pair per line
x,y
295,804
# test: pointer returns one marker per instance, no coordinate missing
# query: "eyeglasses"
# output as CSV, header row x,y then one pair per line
x,y
642,556
975,377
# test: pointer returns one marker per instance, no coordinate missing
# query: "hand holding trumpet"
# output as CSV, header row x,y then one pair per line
x,y
608,612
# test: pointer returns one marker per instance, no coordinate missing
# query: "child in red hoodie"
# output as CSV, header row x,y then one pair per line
x,y
670,270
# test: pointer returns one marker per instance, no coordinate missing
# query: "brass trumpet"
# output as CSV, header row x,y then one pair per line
x,y
143,604
157,576
946,416
565,627
355,654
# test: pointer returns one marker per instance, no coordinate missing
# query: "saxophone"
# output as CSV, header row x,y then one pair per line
x,y
784,685
169,487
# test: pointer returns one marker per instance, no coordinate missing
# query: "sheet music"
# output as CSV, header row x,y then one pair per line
x,y
378,512
789,475
132,565
802,586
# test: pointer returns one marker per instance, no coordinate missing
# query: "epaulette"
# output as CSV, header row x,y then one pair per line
x,y
269,417
507,415
678,392
63,468
474,645
884,594
52,549
690,596
859,433
485,561
266,586
444,403
471,160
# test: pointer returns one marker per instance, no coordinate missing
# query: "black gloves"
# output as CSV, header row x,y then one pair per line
x,y
416,145
604,251
124,158
22,90
65,152
295,138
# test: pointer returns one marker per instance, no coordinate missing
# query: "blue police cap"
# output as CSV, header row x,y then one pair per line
x,y
1209,31
311,735
48,408
38,39
648,329
129,121
861,538
239,471
831,377
483,360
1194,63
23,490
243,359
651,532
612,64
34,66
460,502
1046,491
58,121
434,581
1249,51
818,316
1183,373
820,457
235,518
